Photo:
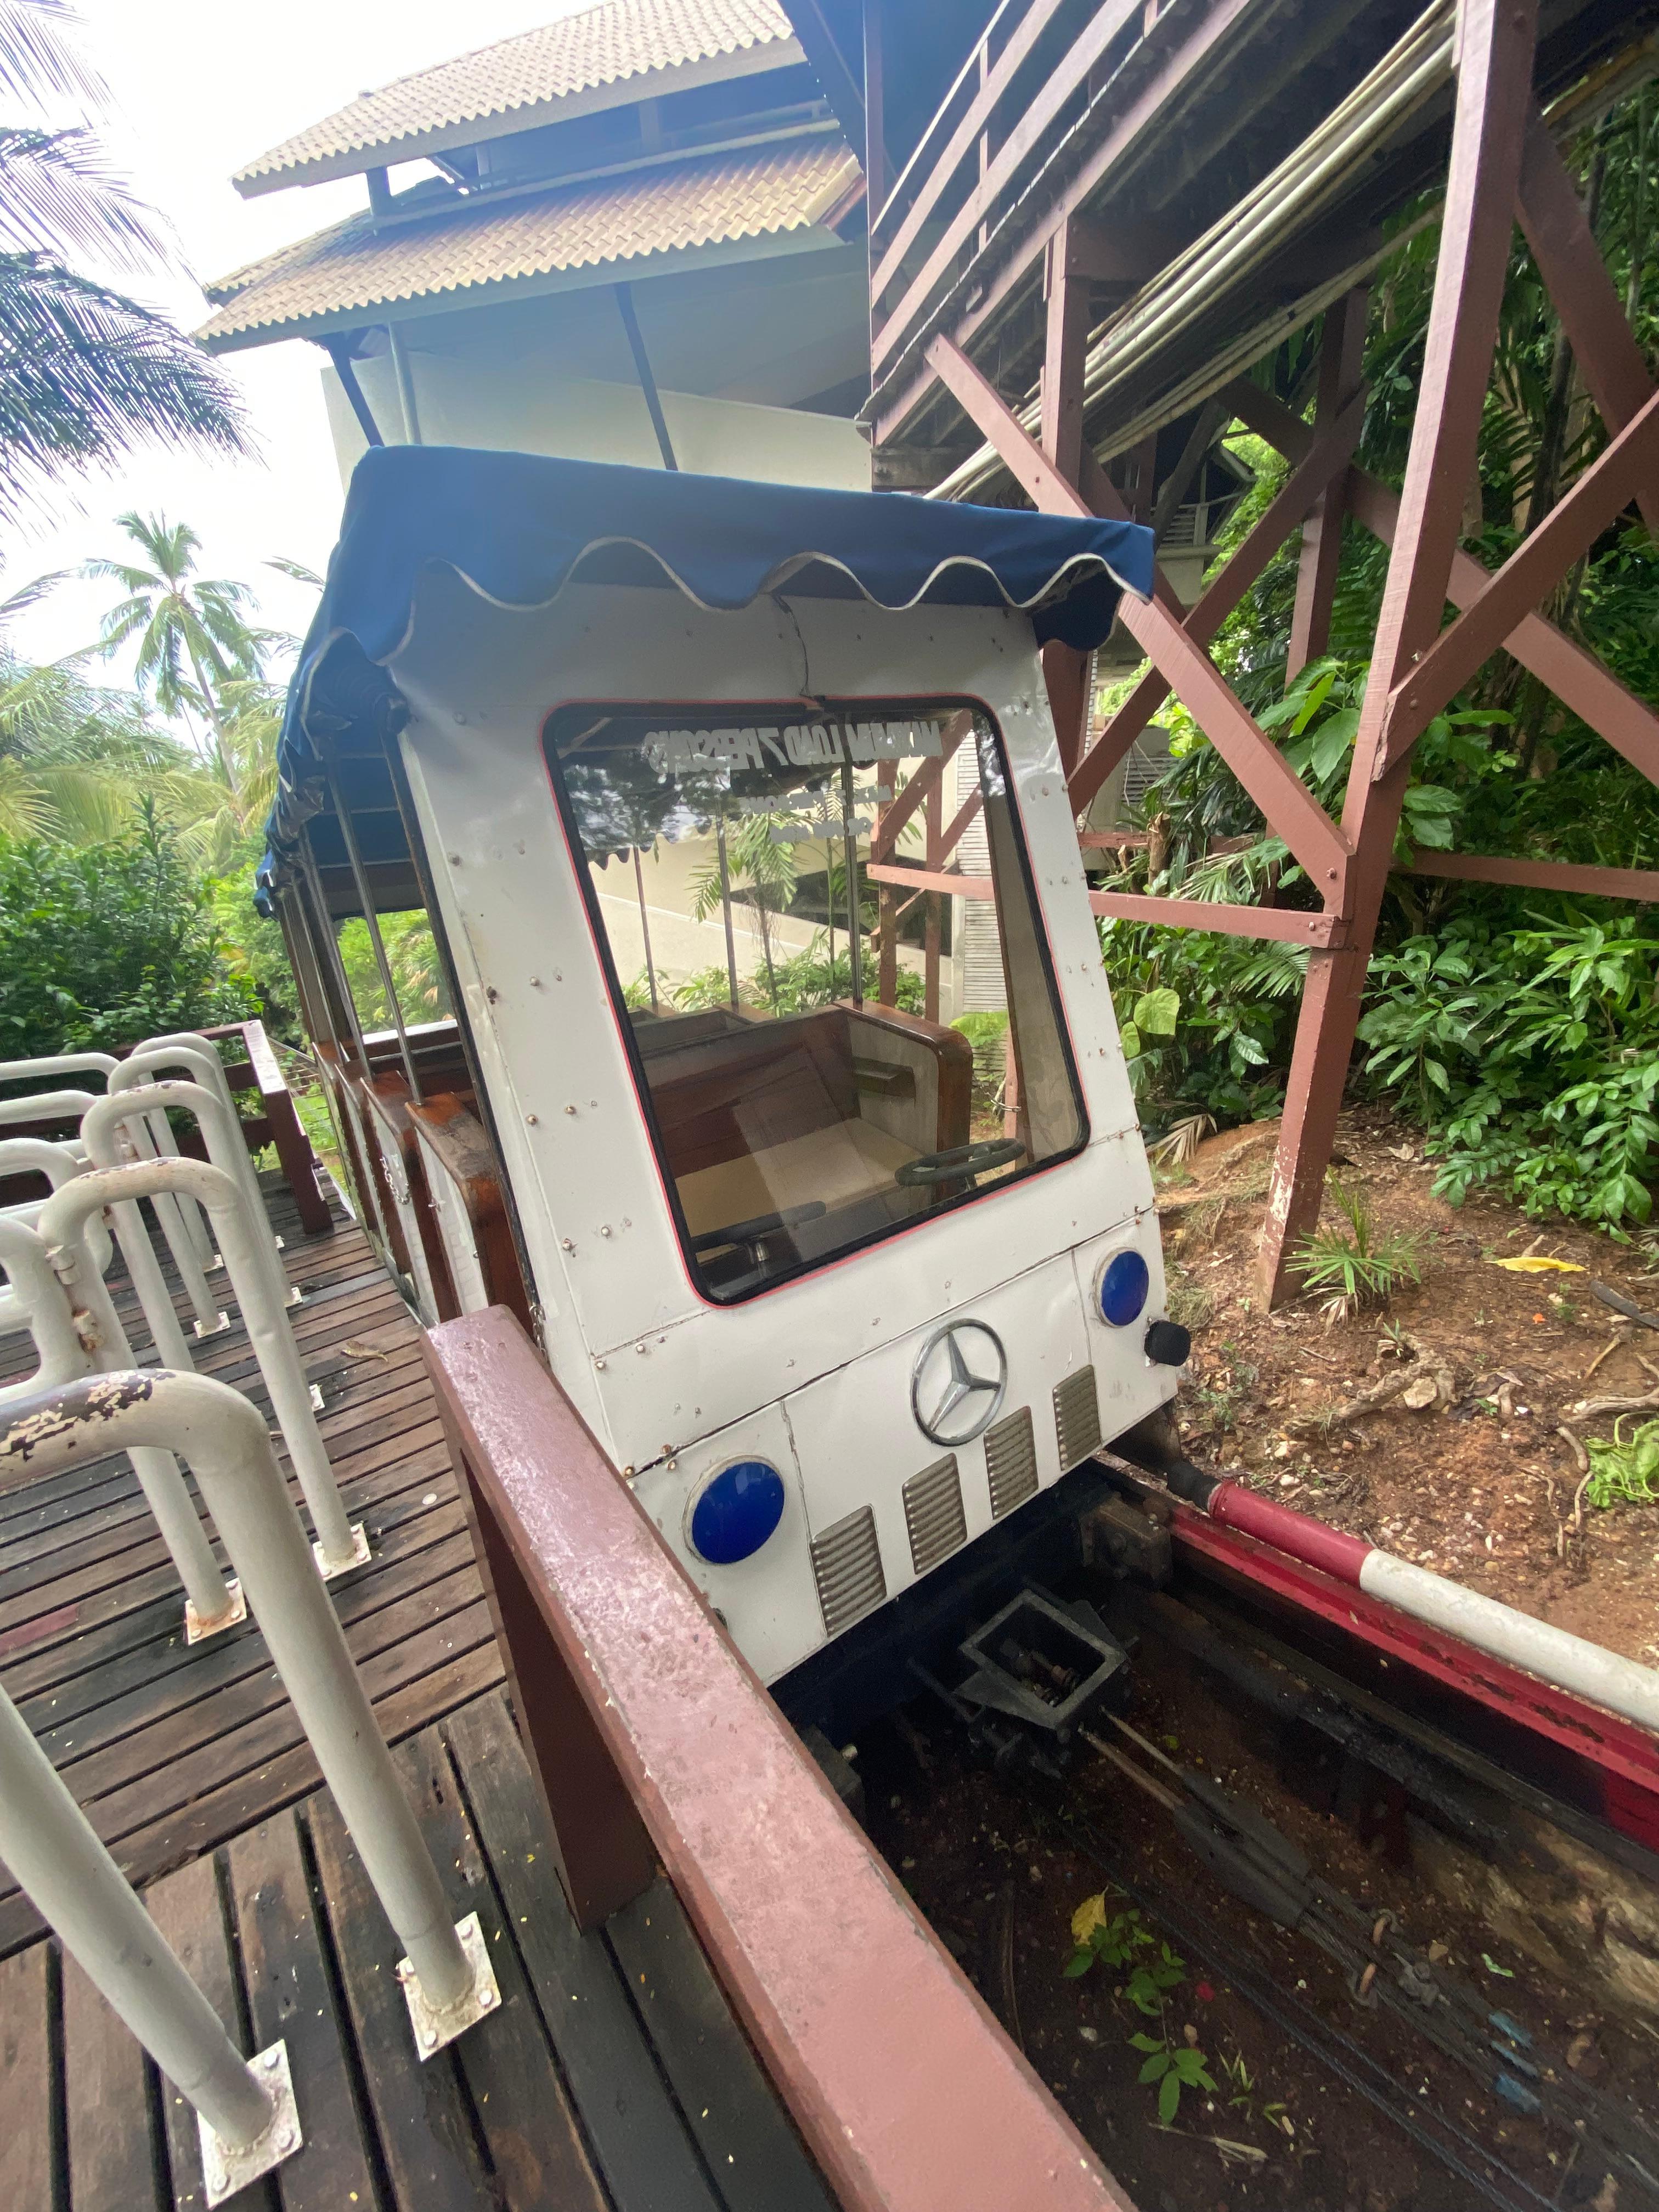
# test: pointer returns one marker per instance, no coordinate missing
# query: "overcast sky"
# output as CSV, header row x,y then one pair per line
x,y
198,88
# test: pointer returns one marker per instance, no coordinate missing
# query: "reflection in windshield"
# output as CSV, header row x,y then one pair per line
x,y
832,969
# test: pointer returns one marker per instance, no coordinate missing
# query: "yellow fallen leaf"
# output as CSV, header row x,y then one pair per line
x,y
1088,1916
1529,1264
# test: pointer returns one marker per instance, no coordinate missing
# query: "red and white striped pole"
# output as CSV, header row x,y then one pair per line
x,y
1571,1663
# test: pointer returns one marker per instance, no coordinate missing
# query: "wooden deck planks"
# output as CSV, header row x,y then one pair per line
x,y
171,1749
571,2098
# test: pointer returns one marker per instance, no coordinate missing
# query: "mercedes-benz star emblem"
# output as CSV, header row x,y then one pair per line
x,y
957,1383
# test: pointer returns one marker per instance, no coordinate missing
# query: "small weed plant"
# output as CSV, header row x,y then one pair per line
x,y
1150,1971
1624,1471
1356,1263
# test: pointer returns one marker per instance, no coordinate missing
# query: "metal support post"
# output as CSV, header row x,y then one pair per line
x,y
340,1544
76,1332
448,1978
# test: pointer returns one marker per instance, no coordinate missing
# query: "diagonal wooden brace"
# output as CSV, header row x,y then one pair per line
x,y
1569,670
1535,567
1592,314
1327,459
1292,810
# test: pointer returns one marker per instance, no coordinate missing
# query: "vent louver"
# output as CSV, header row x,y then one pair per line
x,y
847,1568
933,1514
1077,1418
1011,1461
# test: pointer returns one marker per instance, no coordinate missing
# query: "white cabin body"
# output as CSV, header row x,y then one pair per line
x,y
813,1376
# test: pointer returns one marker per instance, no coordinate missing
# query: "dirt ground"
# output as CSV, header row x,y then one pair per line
x,y
1483,1488
1282,2130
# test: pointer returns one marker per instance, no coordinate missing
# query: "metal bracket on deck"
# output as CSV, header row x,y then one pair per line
x,y
230,2167
433,2028
221,1322
359,1554
197,1630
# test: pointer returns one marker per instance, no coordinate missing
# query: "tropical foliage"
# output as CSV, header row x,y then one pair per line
x,y
100,944
85,372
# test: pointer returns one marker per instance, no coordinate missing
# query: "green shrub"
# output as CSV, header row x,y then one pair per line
x,y
103,944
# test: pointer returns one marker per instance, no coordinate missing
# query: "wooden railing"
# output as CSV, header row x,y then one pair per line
x,y
277,1121
652,1740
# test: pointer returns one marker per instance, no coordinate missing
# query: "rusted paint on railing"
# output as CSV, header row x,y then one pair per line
x,y
904,2087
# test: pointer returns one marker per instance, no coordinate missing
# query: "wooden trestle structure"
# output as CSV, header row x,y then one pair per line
x,y
1102,219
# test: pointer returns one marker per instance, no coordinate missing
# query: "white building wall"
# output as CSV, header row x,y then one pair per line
x,y
515,408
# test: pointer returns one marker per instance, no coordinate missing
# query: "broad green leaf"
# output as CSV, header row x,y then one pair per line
x,y
1333,739
1158,1012
1130,1036
1168,2098
1078,1963
1156,2067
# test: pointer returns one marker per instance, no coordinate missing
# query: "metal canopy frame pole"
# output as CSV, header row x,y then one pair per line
x,y
326,945
726,907
642,368
366,900
849,842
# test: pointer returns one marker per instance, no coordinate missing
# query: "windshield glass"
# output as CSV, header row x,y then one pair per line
x,y
829,962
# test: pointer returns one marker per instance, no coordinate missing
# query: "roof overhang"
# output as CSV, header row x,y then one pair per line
x,y
387,150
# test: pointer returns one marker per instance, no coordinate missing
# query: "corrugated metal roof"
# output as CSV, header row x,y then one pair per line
x,y
608,44
353,269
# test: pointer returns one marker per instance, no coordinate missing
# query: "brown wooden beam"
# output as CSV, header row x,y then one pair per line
x,y
935,168
1069,74
1292,810
1158,90
1497,39
1640,885
1536,566
1341,366
1592,314
1283,924
904,2088
922,786
1569,670
931,879
1328,458
1067,340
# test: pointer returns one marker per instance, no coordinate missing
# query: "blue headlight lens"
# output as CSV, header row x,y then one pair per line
x,y
737,1512
1123,1289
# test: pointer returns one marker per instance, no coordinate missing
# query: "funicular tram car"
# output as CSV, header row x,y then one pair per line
x,y
848,1318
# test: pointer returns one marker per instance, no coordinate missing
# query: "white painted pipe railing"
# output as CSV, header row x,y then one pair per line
x,y
446,1974
166,1145
192,1254
148,1066
213,1109
76,1332
55,1858
63,1221
56,1163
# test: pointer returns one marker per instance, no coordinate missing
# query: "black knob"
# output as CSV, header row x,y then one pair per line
x,y
1168,1344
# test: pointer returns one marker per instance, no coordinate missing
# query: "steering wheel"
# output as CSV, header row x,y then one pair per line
x,y
763,1225
963,1160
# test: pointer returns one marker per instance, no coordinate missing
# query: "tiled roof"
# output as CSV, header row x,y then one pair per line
x,y
607,45
354,270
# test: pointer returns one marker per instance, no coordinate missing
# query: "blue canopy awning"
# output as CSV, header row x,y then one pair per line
x,y
516,527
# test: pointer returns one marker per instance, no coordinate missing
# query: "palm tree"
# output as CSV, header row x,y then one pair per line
x,y
194,638
85,372
74,756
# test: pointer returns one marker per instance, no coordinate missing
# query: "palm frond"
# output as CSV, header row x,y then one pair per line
x,y
59,198
86,374
37,61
